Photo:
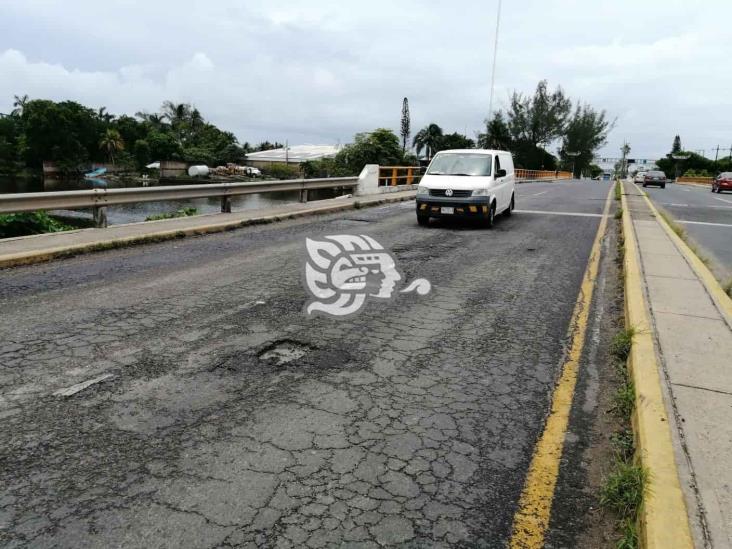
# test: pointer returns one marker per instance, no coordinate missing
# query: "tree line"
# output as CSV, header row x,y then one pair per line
x,y
693,164
73,136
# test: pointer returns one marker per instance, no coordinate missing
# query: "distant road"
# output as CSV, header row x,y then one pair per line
x,y
706,216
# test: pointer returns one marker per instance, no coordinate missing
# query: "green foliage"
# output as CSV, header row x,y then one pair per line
x,y
455,141
67,133
22,224
586,131
595,170
280,170
618,190
676,147
539,119
622,491
428,139
621,344
112,143
73,136
380,146
497,135
619,213
184,212
406,125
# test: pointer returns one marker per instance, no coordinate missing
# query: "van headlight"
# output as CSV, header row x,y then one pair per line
x,y
422,190
481,192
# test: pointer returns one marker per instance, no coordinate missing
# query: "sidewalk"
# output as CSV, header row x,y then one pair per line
x,y
43,247
692,328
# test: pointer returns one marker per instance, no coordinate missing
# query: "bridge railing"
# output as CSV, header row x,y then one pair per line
x,y
531,175
390,176
694,179
99,199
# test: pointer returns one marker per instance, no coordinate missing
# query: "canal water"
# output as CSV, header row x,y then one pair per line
x,y
131,213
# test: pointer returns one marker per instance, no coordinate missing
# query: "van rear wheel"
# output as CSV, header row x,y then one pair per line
x,y
510,208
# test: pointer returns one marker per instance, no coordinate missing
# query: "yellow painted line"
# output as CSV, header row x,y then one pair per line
x,y
532,517
714,288
664,522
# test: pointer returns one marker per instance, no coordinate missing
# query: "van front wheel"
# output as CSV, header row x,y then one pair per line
x,y
490,218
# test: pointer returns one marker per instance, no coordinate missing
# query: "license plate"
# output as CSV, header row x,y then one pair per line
x,y
447,210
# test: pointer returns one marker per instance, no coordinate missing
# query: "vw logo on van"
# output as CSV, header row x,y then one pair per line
x,y
448,192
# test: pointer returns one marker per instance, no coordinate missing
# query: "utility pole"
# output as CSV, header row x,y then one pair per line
x,y
493,72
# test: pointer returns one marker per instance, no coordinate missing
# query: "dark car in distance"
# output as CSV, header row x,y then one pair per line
x,y
723,182
655,177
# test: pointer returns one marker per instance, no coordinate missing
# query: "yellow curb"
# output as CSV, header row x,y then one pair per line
x,y
664,523
710,282
39,256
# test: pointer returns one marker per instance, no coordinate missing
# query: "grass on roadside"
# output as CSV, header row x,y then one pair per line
x,y
727,287
623,489
184,212
22,224
619,213
618,190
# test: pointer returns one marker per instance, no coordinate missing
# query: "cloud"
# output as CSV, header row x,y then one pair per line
x,y
323,71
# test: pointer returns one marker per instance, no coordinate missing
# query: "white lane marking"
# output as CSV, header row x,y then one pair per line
x,y
722,207
704,223
533,195
573,214
677,205
722,199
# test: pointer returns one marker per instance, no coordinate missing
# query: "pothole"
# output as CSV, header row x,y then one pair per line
x,y
284,352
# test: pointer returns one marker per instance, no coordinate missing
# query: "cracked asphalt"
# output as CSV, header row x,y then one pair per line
x,y
233,420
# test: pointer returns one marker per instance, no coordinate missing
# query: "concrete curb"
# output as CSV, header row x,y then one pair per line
x,y
39,256
664,522
708,280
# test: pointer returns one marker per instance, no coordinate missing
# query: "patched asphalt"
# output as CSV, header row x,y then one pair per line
x,y
234,420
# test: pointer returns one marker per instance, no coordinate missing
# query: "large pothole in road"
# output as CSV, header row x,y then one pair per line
x,y
284,352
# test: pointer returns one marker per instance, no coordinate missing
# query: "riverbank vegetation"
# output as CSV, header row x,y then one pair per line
x,y
73,136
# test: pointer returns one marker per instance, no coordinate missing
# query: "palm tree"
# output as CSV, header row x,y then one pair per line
x,y
156,120
103,115
19,104
176,112
112,142
428,139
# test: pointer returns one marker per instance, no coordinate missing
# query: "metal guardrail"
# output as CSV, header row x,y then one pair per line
x,y
99,199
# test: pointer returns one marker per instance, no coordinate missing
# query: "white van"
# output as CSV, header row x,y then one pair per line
x,y
471,183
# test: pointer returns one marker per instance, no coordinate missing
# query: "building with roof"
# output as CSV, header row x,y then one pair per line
x,y
296,154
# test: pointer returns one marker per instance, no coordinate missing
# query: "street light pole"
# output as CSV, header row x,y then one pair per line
x,y
495,54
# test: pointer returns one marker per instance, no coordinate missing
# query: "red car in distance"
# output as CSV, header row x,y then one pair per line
x,y
723,182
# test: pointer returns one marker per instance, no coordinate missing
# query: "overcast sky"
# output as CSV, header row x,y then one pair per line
x,y
320,71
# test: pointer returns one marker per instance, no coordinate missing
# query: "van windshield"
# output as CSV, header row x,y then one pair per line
x,y
461,164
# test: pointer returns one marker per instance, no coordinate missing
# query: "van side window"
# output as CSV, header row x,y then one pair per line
x,y
498,165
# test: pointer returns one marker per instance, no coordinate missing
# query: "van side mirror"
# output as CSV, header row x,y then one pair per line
x,y
501,173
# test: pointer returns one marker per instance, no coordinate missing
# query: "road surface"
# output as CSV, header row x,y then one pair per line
x,y
231,419
706,216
